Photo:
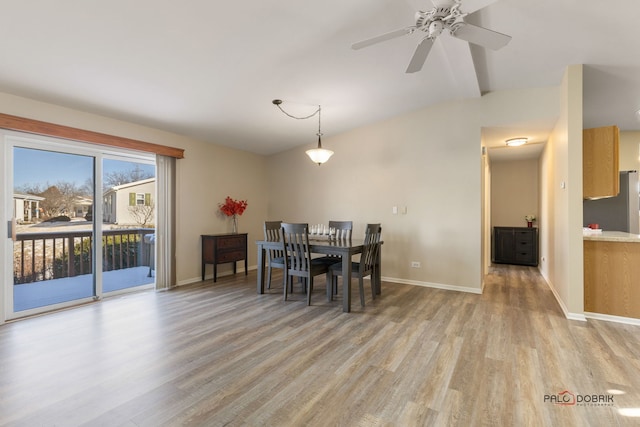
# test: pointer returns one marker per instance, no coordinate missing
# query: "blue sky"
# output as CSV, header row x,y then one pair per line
x,y
41,167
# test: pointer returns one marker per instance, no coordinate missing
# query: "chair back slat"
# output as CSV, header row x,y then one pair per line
x,y
371,247
272,234
343,229
296,242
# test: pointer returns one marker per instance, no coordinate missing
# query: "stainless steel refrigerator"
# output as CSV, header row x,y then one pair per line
x,y
618,213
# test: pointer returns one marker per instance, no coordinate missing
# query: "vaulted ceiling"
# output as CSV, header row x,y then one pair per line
x,y
210,69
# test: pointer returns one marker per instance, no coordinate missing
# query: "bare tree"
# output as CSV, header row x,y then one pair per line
x,y
59,199
54,203
111,179
87,188
143,214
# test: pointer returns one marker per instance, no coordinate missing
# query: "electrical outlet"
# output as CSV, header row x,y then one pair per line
x,y
415,264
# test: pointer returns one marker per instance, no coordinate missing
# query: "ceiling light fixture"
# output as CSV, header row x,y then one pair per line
x,y
515,142
318,155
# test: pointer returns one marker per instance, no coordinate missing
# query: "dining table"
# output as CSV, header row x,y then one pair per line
x,y
344,248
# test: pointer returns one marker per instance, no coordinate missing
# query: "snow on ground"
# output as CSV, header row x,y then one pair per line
x,y
48,292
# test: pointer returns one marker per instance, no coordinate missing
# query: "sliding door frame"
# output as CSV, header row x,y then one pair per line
x,y
11,139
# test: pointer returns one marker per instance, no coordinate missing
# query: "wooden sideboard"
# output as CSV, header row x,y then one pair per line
x,y
515,245
223,248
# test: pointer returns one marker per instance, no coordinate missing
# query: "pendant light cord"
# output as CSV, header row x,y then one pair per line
x,y
278,102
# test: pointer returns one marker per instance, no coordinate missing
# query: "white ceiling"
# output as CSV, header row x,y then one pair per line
x,y
209,69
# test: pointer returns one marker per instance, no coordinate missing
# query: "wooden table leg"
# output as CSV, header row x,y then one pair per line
x,y
346,282
378,273
261,256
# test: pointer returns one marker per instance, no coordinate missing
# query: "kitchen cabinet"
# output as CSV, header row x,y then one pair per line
x,y
611,271
600,157
223,248
515,245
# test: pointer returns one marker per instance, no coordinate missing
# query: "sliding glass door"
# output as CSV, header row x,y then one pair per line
x,y
81,223
53,244
128,224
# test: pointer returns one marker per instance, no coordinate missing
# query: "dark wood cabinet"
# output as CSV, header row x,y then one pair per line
x,y
223,248
515,245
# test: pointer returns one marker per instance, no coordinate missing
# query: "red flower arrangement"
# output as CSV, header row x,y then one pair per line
x,y
232,207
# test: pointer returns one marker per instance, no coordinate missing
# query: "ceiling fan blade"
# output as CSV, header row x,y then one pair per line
x,y
383,37
420,55
470,6
481,36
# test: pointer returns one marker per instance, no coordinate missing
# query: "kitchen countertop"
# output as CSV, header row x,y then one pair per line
x,y
613,236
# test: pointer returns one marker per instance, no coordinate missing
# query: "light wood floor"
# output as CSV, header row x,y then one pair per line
x,y
219,354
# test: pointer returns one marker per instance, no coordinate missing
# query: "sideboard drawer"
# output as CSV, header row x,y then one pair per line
x,y
232,242
236,255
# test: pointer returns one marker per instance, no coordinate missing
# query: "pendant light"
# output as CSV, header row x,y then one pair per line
x,y
317,155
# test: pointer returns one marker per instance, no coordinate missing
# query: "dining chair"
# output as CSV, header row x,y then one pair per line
x,y
298,257
275,257
343,231
365,267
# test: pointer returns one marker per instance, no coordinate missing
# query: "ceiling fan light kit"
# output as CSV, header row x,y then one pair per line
x,y
446,15
317,155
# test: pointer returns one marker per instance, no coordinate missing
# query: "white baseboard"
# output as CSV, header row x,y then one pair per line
x,y
433,285
210,276
611,318
569,315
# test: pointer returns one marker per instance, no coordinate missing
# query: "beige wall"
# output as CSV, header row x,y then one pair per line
x,y
428,161
514,192
630,151
206,175
561,200
486,212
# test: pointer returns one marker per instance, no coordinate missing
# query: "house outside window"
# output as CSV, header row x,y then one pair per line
x,y
122,199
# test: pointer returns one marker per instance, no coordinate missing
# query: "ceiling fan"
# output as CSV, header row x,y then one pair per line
x,y
446,15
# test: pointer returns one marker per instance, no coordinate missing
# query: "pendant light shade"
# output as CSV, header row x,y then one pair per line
x,y
319,155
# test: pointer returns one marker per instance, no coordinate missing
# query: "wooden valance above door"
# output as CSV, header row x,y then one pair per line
x,y
22,124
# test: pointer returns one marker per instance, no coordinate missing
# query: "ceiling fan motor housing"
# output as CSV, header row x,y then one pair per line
x,y
437,19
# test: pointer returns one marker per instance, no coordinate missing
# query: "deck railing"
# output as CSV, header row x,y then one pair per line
x,y
45,256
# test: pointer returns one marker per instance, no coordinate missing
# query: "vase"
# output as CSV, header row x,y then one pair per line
x,y
529,224
234,224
